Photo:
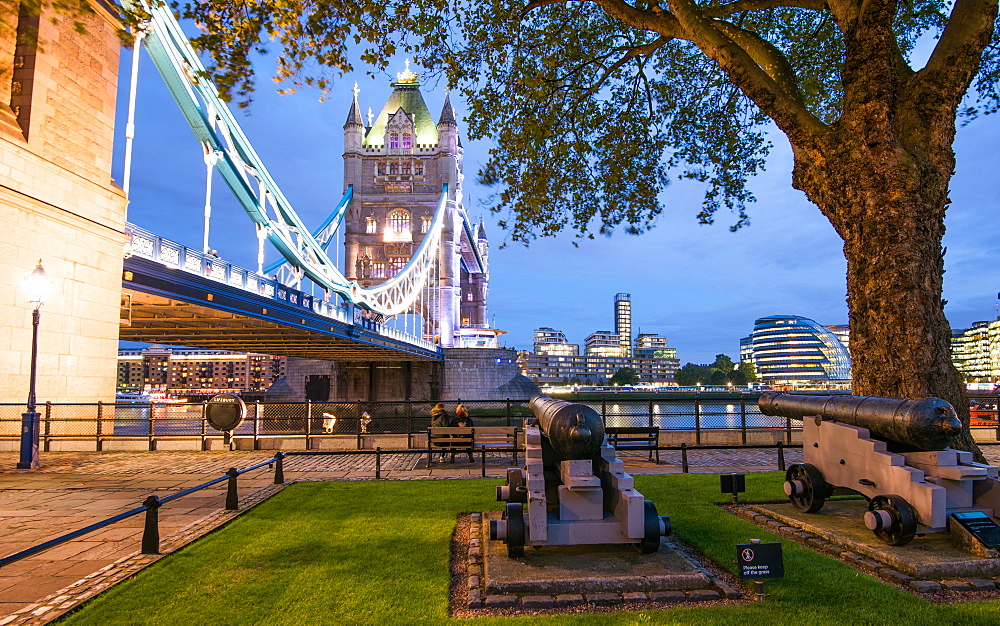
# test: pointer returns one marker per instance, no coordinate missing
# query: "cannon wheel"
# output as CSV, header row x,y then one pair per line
x,y
903,528
651,529
514,514
805,487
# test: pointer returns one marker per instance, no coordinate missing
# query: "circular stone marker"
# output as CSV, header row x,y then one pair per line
x,y
225,412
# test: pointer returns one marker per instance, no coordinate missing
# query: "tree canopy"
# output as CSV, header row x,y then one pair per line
x,y
624,376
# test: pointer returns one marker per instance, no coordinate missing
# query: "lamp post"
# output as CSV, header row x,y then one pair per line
x,y
37,285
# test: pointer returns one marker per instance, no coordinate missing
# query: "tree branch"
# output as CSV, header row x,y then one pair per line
x,y
956,57
647,49
741,6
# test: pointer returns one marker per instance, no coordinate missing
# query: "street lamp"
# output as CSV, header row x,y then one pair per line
x,y
37,285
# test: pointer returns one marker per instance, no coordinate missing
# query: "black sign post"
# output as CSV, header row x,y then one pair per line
x,y
735,484
225,412
759,561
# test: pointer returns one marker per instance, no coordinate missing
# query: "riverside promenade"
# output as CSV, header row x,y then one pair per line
x,y
75,489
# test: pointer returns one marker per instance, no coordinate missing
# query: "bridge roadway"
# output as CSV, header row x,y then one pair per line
x,y
182,297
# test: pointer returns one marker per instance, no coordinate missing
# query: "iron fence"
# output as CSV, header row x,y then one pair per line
x,y
103,422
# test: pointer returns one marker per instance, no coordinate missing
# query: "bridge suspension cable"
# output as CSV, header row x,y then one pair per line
x,y
241,168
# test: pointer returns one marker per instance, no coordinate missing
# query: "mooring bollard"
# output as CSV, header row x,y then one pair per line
x,y
151,530
232,495
781,456
279,470
378,462
684,457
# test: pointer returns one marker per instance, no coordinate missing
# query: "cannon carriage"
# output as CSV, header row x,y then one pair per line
x,y
572,490
895,453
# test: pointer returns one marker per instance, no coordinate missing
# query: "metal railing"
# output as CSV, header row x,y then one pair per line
x,y
152,423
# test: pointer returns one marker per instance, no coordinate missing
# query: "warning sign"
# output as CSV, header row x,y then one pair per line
x,y
758,561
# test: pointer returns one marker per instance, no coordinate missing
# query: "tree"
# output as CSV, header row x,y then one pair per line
x,y
691,375
718,378
723,363
595,105
624,376
737,378
749,371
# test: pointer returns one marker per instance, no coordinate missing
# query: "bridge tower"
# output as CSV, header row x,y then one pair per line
x,y
397,163
57,200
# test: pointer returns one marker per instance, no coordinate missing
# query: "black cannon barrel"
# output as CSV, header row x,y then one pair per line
x,y
925,424
575,431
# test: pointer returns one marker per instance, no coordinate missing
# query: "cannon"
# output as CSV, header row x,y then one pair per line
x,y
896,453
572,490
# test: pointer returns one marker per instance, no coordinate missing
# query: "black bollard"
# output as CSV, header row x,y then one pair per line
x,y
151,530
279,470
232,495
684,457
482,451
781,456
378,463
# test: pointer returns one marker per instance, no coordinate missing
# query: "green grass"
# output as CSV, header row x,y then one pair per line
x,y
377,553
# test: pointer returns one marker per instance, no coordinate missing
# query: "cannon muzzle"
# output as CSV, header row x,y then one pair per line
x,y
575,431
925,424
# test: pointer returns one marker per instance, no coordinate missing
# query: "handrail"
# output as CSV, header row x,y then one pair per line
x,y
151,504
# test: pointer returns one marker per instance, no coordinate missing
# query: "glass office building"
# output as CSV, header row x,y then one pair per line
x,y
796,351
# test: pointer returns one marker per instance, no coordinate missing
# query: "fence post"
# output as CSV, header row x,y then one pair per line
x,y
684,457
232,495
152,427
650,412
508,413
378,462
482,450
204,425
781,456
788,430
100,415
409,423
697,419
309,415
256,424
279,468
48,424
151,529
743,418
604,411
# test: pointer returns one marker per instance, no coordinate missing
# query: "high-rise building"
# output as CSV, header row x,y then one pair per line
x,y
604,343
796,351
976,352
623,323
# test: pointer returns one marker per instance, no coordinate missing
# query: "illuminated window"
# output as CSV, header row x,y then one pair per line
x,y
468,296
393,141
407,141
393,168
399,221
378,270
425,223
396,264
372,226
406,168
418,169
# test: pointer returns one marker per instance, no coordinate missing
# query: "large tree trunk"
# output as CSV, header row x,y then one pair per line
x,y
888,204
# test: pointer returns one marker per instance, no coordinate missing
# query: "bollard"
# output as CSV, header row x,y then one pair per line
x,y
482,451
781,456
151,530
378,462
684,457
279,470
232,496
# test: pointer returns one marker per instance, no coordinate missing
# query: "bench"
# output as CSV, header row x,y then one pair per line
x,y
635,438
464,440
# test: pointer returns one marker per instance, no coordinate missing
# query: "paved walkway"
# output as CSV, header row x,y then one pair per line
x,y
75,489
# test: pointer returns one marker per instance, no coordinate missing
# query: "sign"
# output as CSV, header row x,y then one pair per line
x,y
981,526
225,412
733,483
758,561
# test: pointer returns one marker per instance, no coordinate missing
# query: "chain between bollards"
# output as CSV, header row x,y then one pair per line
x,y
151,530
232,495
279,469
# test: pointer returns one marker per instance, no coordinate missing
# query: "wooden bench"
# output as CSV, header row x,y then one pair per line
x,y
464,440
635,438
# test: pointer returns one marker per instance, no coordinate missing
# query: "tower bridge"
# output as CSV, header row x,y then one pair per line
x,y
415,277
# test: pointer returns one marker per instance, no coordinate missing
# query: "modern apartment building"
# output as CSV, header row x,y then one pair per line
x,y
183,371
976,352
552,341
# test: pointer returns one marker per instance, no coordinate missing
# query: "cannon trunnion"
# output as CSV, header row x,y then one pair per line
x,y
573,490
893,452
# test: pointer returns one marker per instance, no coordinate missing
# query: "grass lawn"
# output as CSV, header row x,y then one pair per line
x,y
377,553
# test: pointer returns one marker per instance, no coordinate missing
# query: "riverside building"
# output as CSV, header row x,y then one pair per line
x,y
183,371
792,351
976,352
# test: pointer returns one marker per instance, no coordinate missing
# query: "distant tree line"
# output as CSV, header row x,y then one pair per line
x,y
719,374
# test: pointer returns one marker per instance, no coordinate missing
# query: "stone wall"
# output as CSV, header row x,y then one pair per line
x,y
484,374
356,380
58,203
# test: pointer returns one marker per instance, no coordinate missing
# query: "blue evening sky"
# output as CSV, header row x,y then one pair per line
x,y
701,286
